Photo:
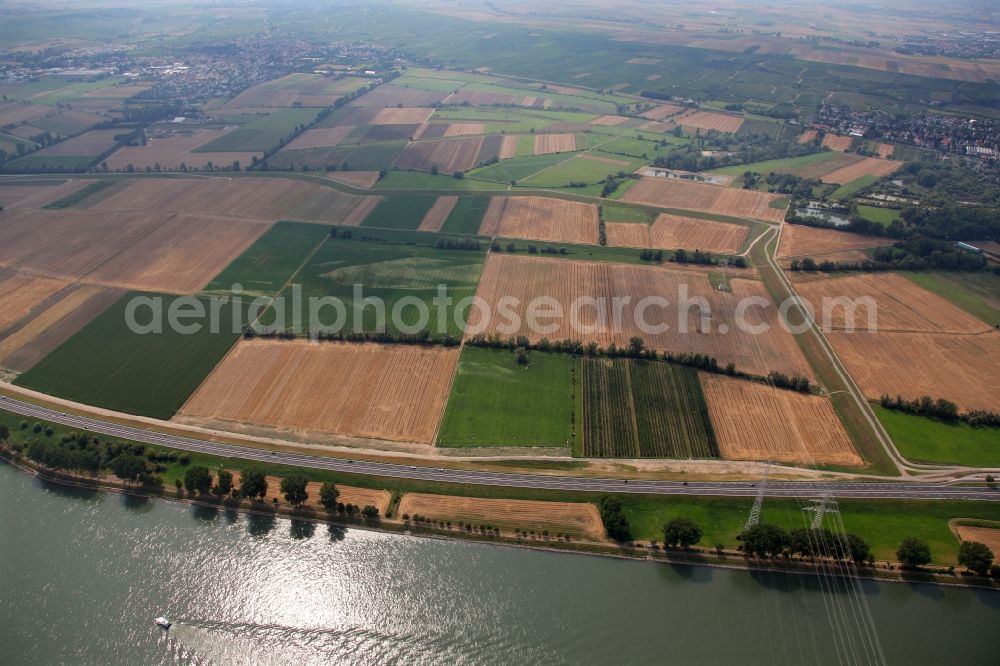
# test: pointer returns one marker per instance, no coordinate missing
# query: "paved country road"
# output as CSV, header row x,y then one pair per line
x,y
789,489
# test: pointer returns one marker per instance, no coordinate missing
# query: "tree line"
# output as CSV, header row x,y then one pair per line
x,y
940,409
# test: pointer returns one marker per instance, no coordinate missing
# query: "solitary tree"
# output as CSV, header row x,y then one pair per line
x,y
682,532
975,556
913,552
253,483
861,552
224,485
328,495
294,489
128,467
197,479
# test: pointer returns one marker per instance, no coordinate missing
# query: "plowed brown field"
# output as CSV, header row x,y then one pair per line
x,y
798,240
758,422
255,198
579,520
808,135
730,201
541,218
574,282
439,212
961,368
448,155
841,143
365,390
869,166
403,116
554,143
899,303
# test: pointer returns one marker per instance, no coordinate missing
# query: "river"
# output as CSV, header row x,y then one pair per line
x,y
83,574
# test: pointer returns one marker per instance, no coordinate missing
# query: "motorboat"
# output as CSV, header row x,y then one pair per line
x,y
162,622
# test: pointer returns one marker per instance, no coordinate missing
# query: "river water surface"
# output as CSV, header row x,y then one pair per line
x,y
83,574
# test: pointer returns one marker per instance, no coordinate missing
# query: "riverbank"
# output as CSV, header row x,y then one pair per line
x,y
717,558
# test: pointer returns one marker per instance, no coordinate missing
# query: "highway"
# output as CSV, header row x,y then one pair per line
x,y
787,489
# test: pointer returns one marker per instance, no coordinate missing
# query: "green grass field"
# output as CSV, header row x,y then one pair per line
x,y
495,402
390,265
642,409
786,165
620,213
518,167
884,216
399,212
976,293
466,216
575,169
107,365
265,267
262,133
931,441
848,190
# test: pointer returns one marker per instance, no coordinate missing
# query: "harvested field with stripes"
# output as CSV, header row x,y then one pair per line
x,y
609,121
390,95
673,231
757,422
644,409
960,368
254,198
662,111
364,390
573,282
89,143
900,305
986,535
834,142
52,324
508,148
21,293
320,138
546,144
708,120
463,129
869,166
402,116
729,201
541,218
37,196
203,245
87,239
439,212
579,520
448,155
365,179
798,240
